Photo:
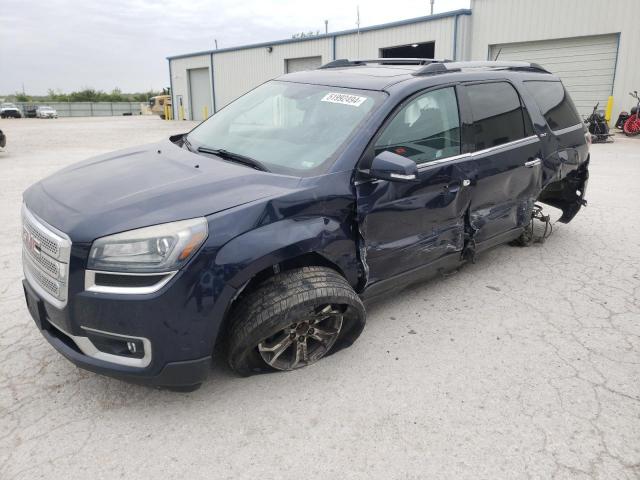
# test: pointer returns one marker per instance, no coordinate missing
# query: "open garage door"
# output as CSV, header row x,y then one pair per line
x,y
413,50
586,65
300,64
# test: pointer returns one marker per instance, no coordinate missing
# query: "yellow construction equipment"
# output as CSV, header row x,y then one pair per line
x,y
158,104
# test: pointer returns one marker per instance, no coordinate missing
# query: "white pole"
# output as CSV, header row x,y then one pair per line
x,y
358,24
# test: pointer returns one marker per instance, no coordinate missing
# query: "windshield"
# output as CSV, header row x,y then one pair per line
x,y
289,127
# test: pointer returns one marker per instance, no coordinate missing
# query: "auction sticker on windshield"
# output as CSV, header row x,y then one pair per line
x,y
344,99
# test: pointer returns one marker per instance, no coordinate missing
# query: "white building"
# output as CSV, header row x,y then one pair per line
x,y
593,45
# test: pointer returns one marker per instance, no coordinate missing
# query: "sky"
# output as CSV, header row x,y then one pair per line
x,y
67,45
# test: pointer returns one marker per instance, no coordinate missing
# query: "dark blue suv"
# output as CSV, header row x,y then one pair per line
x,y
260,232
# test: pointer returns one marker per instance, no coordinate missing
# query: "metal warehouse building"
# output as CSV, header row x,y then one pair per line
x,y
594,46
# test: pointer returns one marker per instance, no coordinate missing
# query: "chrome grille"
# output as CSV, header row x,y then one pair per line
x,y
42,279
56,269
45,258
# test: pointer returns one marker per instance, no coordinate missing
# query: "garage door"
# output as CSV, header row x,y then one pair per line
x,y
200,93
586,65
304,63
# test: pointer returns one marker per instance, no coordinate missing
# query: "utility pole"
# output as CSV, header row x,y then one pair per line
x,y
326,27
432,2
215,40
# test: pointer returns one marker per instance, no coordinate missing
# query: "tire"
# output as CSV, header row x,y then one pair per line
x,y
286,307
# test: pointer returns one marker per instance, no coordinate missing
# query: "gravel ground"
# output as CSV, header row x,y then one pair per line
x,y
525,365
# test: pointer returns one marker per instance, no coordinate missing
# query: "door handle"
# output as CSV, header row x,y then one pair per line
x,y
454,186
532,163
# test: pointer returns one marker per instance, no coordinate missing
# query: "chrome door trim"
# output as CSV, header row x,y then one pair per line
x,y
572,128
426,165
515,143
520,141
533,163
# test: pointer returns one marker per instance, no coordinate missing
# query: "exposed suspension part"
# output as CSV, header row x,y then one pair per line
x,y
529,235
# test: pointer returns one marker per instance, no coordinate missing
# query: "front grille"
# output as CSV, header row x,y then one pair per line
x,y
45,258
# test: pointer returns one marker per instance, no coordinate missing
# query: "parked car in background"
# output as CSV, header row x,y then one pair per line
x,y
30,110
44,111
265,227
9,110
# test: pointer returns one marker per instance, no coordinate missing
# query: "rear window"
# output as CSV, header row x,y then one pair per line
x,y
555,103
498,115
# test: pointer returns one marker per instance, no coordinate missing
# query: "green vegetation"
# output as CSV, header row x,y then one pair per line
x,y
87,94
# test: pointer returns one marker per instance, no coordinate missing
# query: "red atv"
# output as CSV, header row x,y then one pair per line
x,y
632,124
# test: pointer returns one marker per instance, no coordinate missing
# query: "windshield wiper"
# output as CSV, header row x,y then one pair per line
x,y
234,157
186,143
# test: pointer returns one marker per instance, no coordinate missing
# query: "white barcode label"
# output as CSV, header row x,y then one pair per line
x,y
344,99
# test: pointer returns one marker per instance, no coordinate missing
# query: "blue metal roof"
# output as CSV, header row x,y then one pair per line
x,y
427,18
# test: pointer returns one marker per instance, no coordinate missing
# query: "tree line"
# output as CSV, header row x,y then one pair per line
x,y
87,95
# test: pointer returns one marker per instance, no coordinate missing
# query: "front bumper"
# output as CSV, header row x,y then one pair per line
x,y
185,374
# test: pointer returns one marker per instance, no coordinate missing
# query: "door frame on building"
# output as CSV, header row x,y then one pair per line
x,y
192,110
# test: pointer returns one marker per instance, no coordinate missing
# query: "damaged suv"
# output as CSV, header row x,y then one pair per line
x,y
260,232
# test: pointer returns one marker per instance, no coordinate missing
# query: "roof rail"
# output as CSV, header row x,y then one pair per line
x,y
445,67
343,62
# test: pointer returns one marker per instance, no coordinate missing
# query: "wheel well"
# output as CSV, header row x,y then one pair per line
x,y
306,260
310,259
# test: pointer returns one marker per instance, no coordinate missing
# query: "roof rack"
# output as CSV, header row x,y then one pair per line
x,y
343,62
445,67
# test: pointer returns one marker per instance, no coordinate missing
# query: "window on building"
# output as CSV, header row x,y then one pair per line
x,y
426,129
555,104
498,115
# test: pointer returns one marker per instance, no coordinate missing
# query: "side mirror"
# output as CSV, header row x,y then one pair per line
x,y
393,167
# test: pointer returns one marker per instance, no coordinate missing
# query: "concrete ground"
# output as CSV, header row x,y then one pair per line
x,y
525,365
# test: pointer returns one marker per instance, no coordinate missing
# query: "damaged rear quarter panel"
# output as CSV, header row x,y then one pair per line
x,y
569,158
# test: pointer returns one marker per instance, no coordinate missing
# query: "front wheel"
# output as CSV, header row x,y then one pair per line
x,y
293,320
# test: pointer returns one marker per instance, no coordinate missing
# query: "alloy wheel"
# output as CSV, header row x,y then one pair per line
x,y
303,342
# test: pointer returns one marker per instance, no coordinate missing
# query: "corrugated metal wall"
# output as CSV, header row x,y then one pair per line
x,y
585,64
439,31
463,44
492,22
236,72
501,21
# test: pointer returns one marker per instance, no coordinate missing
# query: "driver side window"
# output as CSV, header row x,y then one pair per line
x,y
426,129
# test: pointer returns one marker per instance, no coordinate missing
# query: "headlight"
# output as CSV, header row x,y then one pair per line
x,y
160,248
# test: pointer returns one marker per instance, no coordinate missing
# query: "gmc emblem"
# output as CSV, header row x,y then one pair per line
x,y
30,242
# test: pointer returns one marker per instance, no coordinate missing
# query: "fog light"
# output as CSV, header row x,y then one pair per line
x,y
116,345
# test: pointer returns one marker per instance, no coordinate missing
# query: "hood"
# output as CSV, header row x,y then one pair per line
x,y
144,186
